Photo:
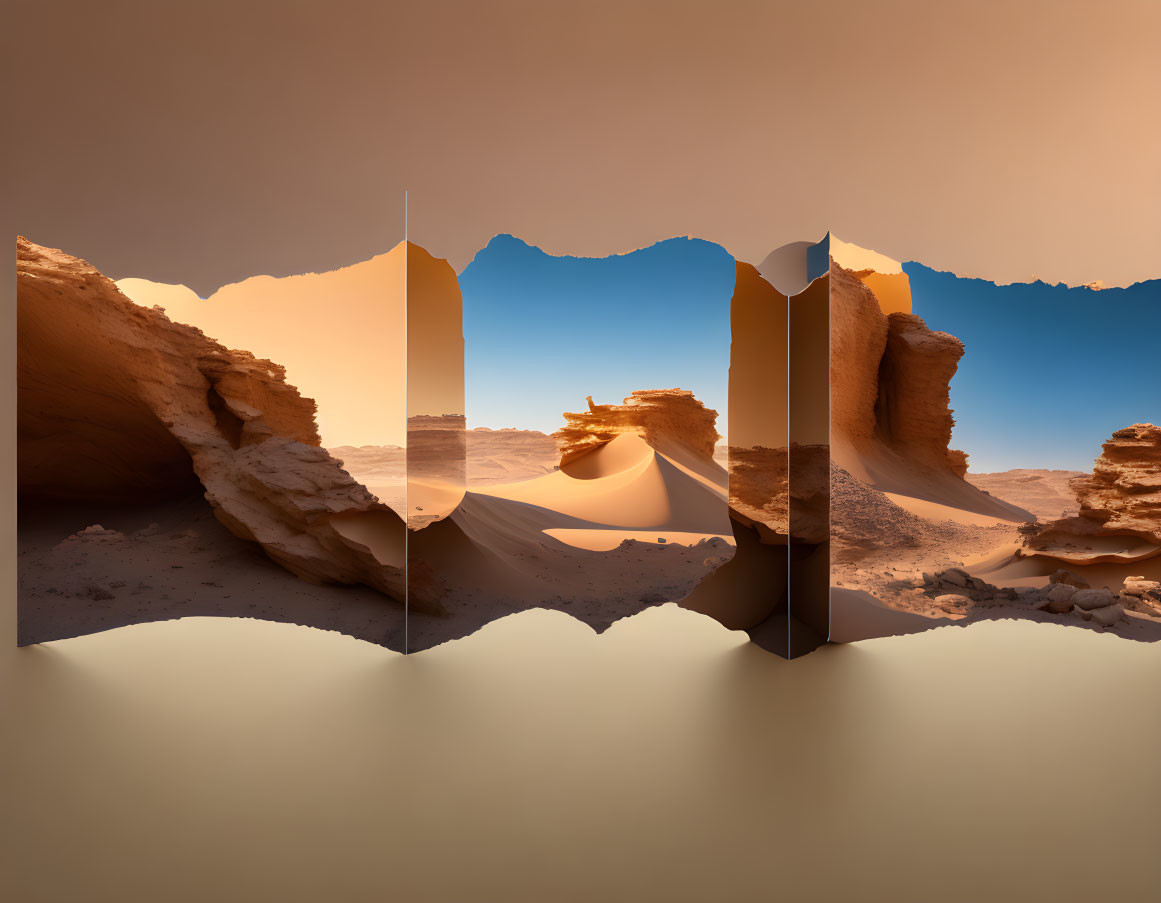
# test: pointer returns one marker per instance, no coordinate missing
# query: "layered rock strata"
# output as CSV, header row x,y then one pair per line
x,y
1119,503
118,404
891,419
662,417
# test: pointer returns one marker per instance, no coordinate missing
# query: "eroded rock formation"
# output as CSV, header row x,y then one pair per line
x,y
858,340
663,417
891,419
889,378
117,403
1120,504
758,487
913,412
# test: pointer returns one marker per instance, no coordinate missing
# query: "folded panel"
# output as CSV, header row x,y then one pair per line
x,y
808,471
749,591
594,478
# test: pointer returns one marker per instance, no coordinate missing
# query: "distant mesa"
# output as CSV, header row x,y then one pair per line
x,y
1045,493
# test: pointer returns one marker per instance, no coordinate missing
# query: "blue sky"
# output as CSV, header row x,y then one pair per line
x,y
1048,372
542,332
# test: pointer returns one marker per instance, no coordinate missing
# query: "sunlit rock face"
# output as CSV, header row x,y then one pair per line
x,y
663,417
913,413
890,378
891,420
858,340
118,403
1120,504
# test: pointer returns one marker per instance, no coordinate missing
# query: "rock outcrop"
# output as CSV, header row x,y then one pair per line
x,y
662,417
913,412
1120,505
325,346
758,488
890,378
117,403
858,341
891,419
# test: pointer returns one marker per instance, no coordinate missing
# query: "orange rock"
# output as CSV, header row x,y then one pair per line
x,y
663,417
117,403
913,414
1119,501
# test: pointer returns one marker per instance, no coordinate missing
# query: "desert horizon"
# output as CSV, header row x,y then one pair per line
x,y
180,301
462,511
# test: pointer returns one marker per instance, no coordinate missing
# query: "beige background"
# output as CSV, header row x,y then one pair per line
x,y
204,142
667,760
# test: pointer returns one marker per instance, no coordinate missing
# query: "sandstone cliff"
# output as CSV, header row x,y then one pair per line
x,y
912,412
117,403
891,420
1120,505
329,330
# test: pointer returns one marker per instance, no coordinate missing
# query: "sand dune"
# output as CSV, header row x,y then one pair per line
x,y
625,483
494,556
618,528
628,505
935,512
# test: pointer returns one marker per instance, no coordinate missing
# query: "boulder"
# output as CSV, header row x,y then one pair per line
x,y
1058,599
1089,599
954,576
1109,615
1068,578
1055,606
953,601
1060,592
1141,588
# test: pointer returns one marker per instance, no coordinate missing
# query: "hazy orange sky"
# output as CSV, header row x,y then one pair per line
x,y
207,142
342,337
